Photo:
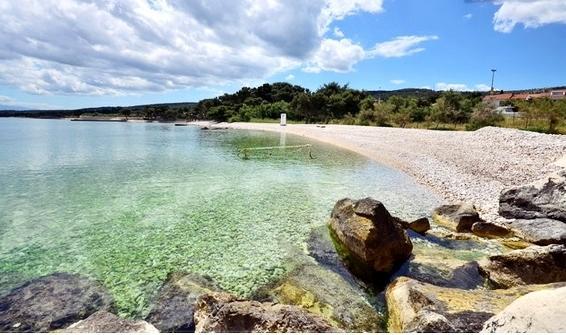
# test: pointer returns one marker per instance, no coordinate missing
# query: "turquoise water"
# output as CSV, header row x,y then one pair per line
x,y
129,203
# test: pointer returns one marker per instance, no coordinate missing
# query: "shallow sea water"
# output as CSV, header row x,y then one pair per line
x,y
129,203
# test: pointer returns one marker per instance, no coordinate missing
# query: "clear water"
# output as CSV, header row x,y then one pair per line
x,y
129,203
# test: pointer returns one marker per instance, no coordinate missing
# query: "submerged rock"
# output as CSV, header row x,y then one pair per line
x,y
459,217
414,306
540,231
533,265
368,238
174,306
104,322
222,312
489,230
537,312
322,292
51,302
544,198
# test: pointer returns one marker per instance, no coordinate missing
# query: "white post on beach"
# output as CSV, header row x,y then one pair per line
x,y
283,119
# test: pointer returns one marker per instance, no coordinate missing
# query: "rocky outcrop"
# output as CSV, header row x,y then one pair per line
x,y
537,312
414,306
222,312
459,217
540,231
371,242
174,306
542,199
104,322
489,230
51,302
325,293
540,210
533,265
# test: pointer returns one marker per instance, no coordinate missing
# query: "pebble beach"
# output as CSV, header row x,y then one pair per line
x,y
458,165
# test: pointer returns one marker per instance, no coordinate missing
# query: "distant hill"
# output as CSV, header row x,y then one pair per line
x,y
405,92
137,110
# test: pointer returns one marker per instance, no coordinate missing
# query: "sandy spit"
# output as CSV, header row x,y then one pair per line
x,y
459,166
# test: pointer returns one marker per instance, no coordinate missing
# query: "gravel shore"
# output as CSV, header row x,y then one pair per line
x,y
459,166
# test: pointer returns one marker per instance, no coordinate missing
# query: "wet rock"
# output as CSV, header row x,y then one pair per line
x,y
51,302
104,322
459,217
533,265
368,239
537,312
222,312
420,226
414,306
322,292
489,230
174,306
544,198
540,231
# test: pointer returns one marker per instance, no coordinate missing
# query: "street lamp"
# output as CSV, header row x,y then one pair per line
x,y
492,77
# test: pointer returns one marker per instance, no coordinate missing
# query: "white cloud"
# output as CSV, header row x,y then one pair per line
x,y
290,77
461,87
529,13
482,87
401,46
5,99
397,81
336,55
338,33
341,55
468,16
128,46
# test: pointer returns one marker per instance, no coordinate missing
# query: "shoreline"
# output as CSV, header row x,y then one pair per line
x,y
457,165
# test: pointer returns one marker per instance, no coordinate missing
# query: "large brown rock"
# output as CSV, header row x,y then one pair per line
x,y
414,306
544,198
368,238
489,230
537,312
533,265
173,309
458,217
222,312
51,302
104,322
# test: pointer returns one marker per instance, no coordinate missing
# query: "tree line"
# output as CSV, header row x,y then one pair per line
x,y
335,103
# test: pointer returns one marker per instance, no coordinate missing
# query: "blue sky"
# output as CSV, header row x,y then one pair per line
x,y
71,53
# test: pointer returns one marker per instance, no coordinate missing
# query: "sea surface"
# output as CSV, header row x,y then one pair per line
x,y
129,203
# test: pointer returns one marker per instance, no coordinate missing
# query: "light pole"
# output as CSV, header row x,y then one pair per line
x,y
492,77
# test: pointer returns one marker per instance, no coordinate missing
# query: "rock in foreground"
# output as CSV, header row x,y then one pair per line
x,y
537,312
51,302
419,307
368,238
325,293
222,312
533,265
175,304
542,199
540,231
104,322
459,217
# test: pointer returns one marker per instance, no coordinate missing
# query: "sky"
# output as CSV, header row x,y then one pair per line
x,y
84,53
